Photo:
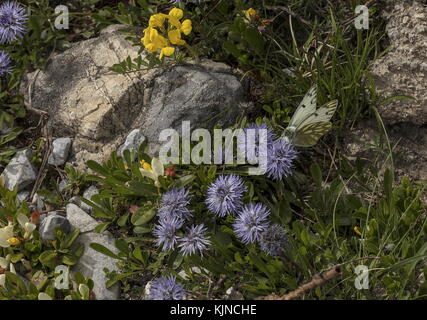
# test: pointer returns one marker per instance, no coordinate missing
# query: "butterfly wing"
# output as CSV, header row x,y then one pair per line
x,y
309,122
309,134
321,114
305,108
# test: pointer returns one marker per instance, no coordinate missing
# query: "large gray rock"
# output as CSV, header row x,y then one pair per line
x,y
80,219
60,150
19,171
93,263
98,107
402,71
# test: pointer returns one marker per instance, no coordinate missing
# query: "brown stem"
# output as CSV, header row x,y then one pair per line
x,y
318,280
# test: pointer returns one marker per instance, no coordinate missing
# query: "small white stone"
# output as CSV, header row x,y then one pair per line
x,y
80,219
60,150
19,171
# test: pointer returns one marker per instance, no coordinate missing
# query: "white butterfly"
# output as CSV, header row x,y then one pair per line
x,y
310,122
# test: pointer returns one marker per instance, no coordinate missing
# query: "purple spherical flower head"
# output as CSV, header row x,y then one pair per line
x,y
251,222
195,240
225,195
12,21
273,240
174,204
253,133
165,232
166,288
281,155
4,63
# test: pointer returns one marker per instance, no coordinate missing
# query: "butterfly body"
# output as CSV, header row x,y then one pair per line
x,y
309,123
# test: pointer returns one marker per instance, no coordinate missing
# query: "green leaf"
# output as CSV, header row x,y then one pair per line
x,y
121,222
48,257
70,238
97,168
142,189
142,216
122,245
102,249
141,230
100,228
388,184
16,257
84,291
185,180
118,277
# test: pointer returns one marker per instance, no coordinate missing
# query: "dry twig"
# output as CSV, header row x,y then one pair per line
x,y
318,280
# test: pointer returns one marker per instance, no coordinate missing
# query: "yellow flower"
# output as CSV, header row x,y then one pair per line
x,y
146,39
175,37
158,40
250,13
155,39
175,22
176,13
356,229
167,51
13,241
145,165
157,20
152,40
148,44
186,27
156,169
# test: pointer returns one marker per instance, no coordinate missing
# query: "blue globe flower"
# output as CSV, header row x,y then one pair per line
x,y
174,204
165,232
281,155
194,241
166,288
251,222
13,20
274,240
224,196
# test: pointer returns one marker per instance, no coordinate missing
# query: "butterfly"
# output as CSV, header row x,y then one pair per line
x,y
309,122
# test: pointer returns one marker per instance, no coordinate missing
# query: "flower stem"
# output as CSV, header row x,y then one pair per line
x,y
193,53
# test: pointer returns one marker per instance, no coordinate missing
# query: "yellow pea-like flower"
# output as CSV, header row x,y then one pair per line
x,y
167,51
250,13
175,37
176,13
146,38
158,40
186,27
145,165
173,21
356,229
161,36
157,20
14,241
